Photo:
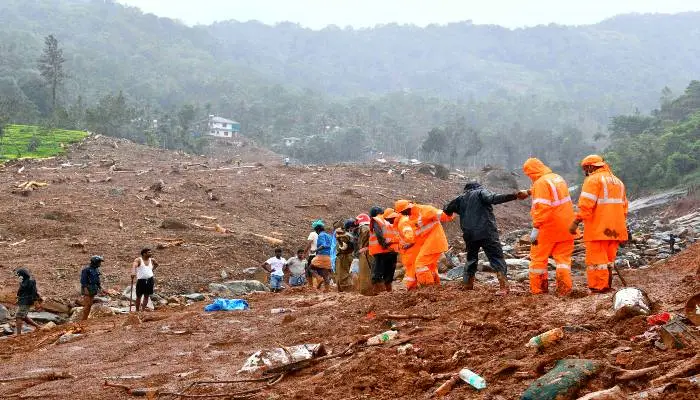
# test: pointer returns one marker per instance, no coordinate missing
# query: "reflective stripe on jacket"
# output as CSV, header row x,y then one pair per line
x,y
552,209
386,232
603,207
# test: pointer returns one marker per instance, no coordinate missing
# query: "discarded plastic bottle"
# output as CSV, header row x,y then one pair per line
x,y
473,379
280,310
547,338
382,338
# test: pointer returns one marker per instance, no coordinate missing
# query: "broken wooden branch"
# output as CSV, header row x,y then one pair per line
x,y
410,316
628,375
683,368
52,376
311,205
17,243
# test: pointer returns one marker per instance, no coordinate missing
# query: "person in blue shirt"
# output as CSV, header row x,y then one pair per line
x,y
321,264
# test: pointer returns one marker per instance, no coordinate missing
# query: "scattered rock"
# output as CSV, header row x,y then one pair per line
x,y
455,273
171,223
45,317
194,296
69,337
55,307
47,326
238,287
4,313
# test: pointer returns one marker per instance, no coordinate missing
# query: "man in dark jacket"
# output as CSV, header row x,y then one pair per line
x,y
90,284
26,296
478,223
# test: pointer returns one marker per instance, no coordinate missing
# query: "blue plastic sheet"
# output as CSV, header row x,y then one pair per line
x,y
334,243
227,305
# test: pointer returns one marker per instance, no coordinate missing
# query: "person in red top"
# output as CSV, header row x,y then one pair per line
x,y
551,212
603,211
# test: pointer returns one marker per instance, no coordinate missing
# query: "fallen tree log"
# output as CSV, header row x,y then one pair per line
x,y
686,367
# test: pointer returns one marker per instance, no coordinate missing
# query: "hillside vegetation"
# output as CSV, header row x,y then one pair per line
x,y
488,95
26,141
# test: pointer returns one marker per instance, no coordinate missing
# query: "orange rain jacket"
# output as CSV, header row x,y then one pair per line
x,y
387,233
603,207
428,228
552,210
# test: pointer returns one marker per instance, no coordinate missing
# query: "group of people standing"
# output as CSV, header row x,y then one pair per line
x,y
90,286
413,233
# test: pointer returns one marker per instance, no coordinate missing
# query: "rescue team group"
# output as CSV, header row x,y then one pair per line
x,y
415,233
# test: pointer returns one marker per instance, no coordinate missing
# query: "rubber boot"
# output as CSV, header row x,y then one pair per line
x,y
469,285
503,283
611,267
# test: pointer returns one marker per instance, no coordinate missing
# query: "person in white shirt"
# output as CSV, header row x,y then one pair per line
x,y
297,270
275,267
310,254
142,269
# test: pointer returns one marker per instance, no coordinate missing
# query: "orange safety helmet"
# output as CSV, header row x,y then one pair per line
x,y
362,219
389,213
402,205
594,160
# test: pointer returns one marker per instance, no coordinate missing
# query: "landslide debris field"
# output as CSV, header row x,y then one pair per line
x,y
175,346
174,200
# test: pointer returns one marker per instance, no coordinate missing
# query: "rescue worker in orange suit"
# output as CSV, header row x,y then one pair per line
x,y
430,237
382,246
603,211
364,277
551,210
407,239
478,223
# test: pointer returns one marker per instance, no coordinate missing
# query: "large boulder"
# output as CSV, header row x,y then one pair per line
x,y
4,313
435,170
237,287
55,307
456,273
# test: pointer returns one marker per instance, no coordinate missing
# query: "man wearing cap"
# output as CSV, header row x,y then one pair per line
x,y
479,230
90,284
603,211
321,264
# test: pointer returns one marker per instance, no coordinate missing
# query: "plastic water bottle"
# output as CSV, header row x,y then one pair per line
x,y
382,338
473,379
547,338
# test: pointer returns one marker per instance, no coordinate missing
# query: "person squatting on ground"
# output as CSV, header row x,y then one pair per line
x,y
27,294
297,270
275,267
479,230
383,242
364,277
90,284
142,268
344,254
603,211
551,210
321,264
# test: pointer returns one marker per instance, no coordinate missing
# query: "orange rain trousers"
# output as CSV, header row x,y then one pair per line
x,y
408,259
539,255
600,254
426,267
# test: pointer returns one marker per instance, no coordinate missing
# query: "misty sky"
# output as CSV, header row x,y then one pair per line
x,y
366,13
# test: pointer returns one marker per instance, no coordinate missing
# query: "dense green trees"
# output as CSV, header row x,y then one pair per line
x,y
660,150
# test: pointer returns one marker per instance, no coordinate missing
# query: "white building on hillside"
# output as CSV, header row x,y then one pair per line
x,y
222,127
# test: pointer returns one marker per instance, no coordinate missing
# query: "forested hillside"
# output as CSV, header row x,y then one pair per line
x,y
661,149
488,94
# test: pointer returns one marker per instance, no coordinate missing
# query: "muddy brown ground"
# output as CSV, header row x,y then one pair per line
x,y
176,346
